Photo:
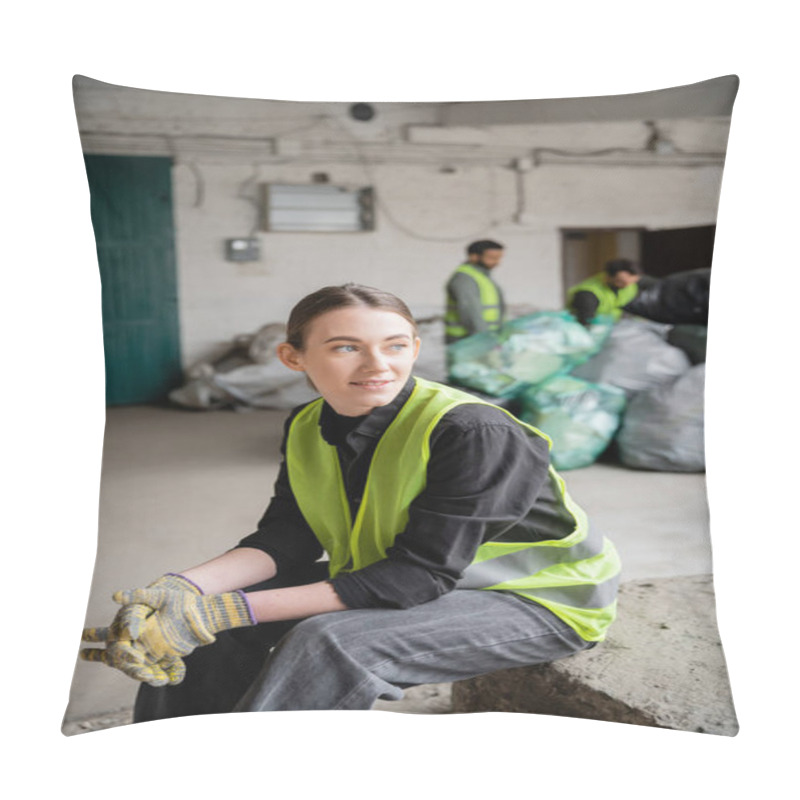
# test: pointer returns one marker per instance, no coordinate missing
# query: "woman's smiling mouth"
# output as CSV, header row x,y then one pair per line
x,y
370,384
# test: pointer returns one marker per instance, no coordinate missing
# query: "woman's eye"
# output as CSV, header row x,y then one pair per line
x,y
398,347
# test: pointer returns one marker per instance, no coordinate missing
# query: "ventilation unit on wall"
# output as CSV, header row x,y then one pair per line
x,y
317,207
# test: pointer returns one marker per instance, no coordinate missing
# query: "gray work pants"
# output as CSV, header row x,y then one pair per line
x,y
349,659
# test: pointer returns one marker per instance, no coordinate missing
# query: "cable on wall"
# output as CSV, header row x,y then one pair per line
x,y
251,198
388,213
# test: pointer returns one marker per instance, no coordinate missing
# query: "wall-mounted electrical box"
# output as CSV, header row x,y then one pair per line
x,y
242,249
318,207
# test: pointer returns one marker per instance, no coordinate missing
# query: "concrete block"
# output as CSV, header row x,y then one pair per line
x,y
662,665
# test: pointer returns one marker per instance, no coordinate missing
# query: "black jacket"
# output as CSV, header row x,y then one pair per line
x,y
485,476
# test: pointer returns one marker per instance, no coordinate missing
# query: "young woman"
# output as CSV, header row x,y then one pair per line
x,y
453,548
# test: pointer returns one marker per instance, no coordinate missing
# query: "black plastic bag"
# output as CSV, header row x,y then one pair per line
x,y
691,339
679,298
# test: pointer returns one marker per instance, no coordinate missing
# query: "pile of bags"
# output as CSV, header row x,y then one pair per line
x,y
247,374
635,358
526,351
662,425
637,383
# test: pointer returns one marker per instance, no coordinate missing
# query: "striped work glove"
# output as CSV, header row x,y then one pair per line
x,y
122,650
124,654
184,621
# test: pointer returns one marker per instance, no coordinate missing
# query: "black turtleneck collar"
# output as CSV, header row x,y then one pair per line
x,y
335,428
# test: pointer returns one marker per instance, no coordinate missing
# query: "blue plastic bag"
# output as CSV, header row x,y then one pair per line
x,y
526,351
580,417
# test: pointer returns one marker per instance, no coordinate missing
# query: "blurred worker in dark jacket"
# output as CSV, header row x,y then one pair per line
x,y
474,301
606,292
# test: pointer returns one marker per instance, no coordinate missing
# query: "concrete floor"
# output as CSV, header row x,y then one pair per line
x,y
179,487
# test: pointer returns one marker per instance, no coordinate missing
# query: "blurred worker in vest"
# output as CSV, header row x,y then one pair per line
x,y
474,300
606,292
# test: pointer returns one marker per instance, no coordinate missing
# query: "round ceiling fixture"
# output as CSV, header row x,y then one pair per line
x,y
363,112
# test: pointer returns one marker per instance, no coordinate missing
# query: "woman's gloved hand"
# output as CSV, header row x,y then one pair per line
x,y
123,652
130,616
183,621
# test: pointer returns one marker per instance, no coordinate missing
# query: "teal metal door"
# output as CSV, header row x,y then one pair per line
x,y
131,207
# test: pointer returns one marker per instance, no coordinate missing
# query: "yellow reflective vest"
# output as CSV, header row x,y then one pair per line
x,y
576,577
491,305
610,302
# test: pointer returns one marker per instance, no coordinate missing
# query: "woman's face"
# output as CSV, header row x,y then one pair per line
x,y
358,357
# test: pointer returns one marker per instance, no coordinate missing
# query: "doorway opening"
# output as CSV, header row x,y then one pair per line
x,y
585,251
658,253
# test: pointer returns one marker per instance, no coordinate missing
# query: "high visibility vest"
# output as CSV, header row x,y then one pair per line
x,y
575,577
611,302
491,305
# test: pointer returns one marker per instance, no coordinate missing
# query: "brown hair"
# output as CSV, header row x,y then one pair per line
x,y
330,298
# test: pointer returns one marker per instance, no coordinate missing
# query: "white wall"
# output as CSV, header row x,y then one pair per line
x,y
437,189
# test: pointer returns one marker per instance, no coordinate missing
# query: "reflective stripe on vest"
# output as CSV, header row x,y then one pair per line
x,y
575,577
610,302
490,303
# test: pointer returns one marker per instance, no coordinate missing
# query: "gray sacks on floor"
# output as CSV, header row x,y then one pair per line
x,y
635,358
245,373
662,428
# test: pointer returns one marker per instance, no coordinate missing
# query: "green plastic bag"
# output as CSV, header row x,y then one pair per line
x,y
580,417
526,351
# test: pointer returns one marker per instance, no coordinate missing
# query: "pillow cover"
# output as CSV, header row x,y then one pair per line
x,y
213,216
